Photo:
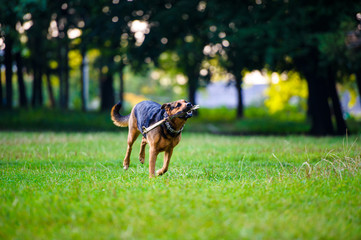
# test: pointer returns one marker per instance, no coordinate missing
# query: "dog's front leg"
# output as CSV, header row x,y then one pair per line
x,y
167,156
153,153
142,150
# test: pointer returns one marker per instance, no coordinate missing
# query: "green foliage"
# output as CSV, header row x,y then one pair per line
x,y
279,94
182,37
72,185
154,84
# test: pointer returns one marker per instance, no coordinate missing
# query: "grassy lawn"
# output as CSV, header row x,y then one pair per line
x,y
71,186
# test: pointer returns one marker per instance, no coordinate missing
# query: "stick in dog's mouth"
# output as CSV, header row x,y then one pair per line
x,y
189,113
195,107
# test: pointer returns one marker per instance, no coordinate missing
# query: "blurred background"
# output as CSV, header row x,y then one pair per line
x,y
255,67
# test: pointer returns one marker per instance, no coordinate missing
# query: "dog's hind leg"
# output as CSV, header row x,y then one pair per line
x,y
167,156
142,150
132,136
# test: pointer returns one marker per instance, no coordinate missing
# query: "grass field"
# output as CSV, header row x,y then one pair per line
x,y
71,186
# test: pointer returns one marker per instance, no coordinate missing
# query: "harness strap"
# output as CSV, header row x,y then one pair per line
x,y
169,127
166,120
172,130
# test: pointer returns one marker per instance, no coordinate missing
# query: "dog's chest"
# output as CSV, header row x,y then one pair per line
x,y
162,144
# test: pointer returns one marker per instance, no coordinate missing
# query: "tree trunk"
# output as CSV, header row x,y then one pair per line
x,y
84,80
358,81
239,80
23,102
35,86
192,86
61,75
66,78
341,127
121,81
319,108
106,91
1,89
9,71
50,89
37,97
63,50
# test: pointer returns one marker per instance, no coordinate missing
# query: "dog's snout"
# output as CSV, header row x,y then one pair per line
x,y
189,105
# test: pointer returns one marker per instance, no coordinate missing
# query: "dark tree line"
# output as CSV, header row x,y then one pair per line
x,y
306,36
48,40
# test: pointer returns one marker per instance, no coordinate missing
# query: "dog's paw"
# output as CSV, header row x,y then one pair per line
x,y
141,160
159,172
125,167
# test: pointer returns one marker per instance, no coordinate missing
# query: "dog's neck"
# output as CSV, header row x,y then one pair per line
x,y
175,125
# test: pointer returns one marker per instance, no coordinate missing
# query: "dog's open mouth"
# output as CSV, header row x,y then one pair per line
x,y
188,112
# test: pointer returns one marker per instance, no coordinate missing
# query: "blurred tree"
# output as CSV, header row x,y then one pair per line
x,y
296,38
237,34
83,79
281,35
339,64
50,88
175,26
1,84
112,22
37,34
21,85
62,18
8,19
84,10
353,51
358,81
8,69
11,20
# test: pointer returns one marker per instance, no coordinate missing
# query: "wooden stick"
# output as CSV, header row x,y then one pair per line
x,y
150,128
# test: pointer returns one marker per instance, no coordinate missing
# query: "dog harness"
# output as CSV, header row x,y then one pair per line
x,y
149,115
169,127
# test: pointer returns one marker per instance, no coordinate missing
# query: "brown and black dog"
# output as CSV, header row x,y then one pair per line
x,y
161,139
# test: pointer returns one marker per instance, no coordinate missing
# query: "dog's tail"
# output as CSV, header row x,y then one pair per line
x,y
119,120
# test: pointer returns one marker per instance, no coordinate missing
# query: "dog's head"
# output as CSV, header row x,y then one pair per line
x,y
178,107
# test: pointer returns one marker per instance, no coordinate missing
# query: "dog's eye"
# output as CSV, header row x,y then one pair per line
x,y
178,105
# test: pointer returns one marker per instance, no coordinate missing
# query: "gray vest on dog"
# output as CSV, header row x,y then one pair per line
x,y
148,113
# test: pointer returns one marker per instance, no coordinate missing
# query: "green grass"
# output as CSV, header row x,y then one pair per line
x,y
71,186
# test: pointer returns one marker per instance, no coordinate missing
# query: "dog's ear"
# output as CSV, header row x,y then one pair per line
x,y
165,105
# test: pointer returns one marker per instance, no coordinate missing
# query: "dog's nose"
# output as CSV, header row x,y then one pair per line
x,y
189,105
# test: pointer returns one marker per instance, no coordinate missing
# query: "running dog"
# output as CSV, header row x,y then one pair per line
x,y
163,138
